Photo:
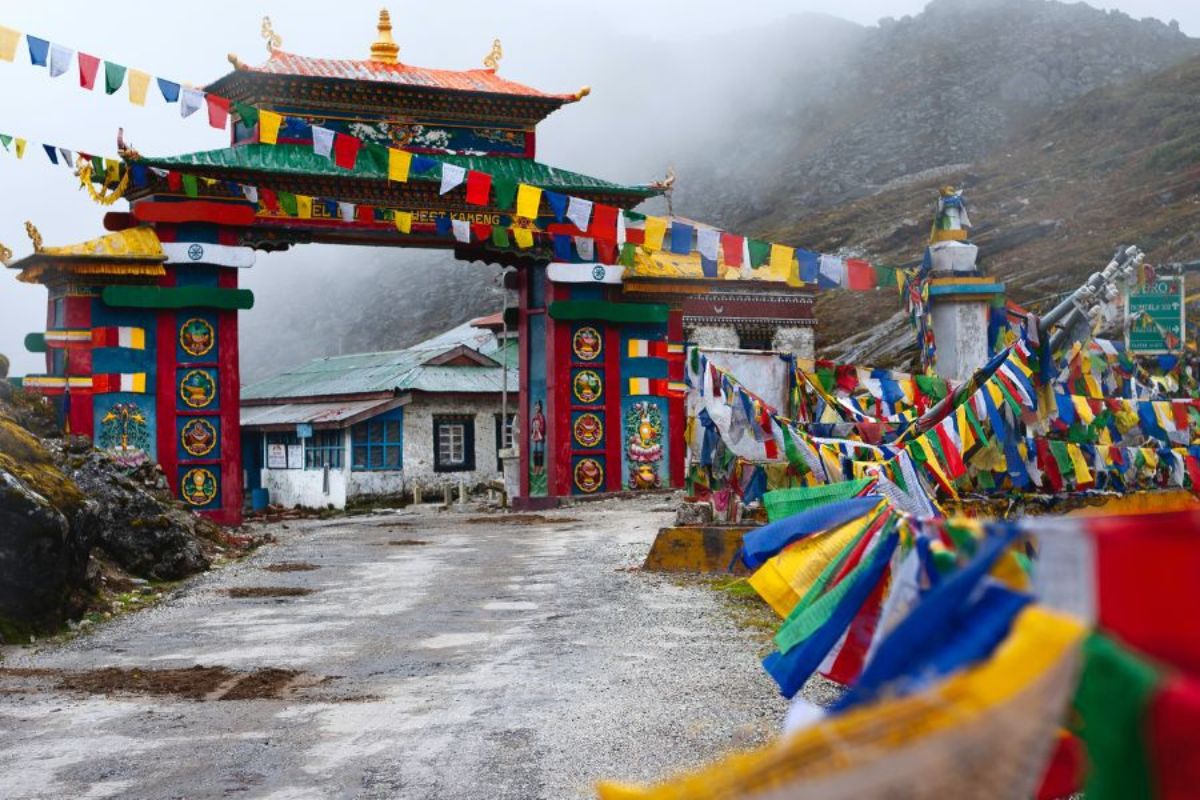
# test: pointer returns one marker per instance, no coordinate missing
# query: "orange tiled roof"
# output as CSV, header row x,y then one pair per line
x,y
471,80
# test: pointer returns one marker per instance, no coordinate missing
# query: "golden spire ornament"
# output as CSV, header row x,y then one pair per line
x,y
492,60
384,50
34,236
274,40
5,255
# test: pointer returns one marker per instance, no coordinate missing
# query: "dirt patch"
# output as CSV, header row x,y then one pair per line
x,y
519,519
261,684
407,542
291,566
267,591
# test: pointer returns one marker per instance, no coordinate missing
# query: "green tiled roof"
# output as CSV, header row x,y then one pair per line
x,y
299,159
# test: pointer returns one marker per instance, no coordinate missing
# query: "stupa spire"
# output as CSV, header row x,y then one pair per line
x,y
384,49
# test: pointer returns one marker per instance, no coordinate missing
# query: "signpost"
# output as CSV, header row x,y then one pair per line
x,y
1154,317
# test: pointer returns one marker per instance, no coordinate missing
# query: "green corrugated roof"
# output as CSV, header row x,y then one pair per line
x,y
395,371
297,159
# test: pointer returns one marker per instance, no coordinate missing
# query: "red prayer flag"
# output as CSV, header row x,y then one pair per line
x,y
218,110
365,213
345,150
268,198
174,181
860,275
606,251
1174,723
731,246
479,186
88,66
603,227
481,231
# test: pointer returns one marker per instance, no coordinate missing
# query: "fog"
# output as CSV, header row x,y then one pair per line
x,y
667,78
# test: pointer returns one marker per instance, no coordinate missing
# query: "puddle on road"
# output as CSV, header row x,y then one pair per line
x,y
510,605
407,542
291,566
453,640
190,683
243,592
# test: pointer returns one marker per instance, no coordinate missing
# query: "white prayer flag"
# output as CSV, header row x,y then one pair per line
x,y
833,269
190,101
462,230
346,211
322,141
68,159
621,235
707,240
452,176
579,211
586,247
251,193
60,59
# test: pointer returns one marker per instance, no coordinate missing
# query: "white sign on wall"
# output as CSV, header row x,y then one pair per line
x,y
295,456
277,456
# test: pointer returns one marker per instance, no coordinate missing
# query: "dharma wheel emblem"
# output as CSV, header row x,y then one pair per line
x,y
598,272
196,252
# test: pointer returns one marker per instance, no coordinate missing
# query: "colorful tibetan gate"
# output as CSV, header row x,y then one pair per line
x,y
141,340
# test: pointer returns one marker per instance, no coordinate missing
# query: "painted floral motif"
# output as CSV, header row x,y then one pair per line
x,y
587,344
589,475
124,432
587,386
199,486
198,437
198,389
643,444
588,430
196,337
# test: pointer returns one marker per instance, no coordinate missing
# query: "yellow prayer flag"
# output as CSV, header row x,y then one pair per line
x,y
781,261
1083,475
399,162
965,431
303,206
523,237
8,43
138,83
1083,409
20,148
528,200
403,220
655,230
268,126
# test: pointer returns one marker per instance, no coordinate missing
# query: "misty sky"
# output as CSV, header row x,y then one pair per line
x,y
556,46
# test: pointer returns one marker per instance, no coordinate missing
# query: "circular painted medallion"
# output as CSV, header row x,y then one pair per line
x,y
587,386
199,486
589,475
196,337
198,437
587,344
588,430
197,388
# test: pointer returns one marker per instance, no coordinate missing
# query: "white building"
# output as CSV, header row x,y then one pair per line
x,y
342,427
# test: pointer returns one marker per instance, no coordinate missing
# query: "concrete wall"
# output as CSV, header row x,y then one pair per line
x,y
419,444
798,341
765,374
960,329
304,487
363,484
713,336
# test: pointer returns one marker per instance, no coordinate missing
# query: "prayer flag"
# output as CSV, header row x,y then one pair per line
x,y
403,220
5,140
60,59
562,247
462,230
500,236
53,156
399,163
287,202
247,114
189,185
656,230
585,246
759,251
39,49
322,141
528,200
345,150
452,176
139,83
251,193
731,247
479,187
218,110
781,261
810,265
442,224
558,204
681,237
114,76
9,39
832,271
481,231
268,127
304,206
860,275
190,101
579,211
66,156
707,241
169,89
20,148
506,191
364,213
88,67
604,222
522,236
346,211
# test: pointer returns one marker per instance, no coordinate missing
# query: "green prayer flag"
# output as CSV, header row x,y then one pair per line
x,y
627,254
114,76
930,386
5,139
885,276
97,165
791,450
500,235
759,251
247,113
634,216
506,191
1058,449
287,201
189,186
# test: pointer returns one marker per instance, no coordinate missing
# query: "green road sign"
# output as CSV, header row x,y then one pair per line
x,y
1154,317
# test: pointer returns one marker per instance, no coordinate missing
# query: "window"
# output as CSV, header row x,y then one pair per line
x,y
453,444
324,448
378,444
504,437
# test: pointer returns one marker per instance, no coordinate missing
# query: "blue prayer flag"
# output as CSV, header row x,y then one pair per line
x,y
169,89
681,238
810,265
562,247
39,49
558,203
53,156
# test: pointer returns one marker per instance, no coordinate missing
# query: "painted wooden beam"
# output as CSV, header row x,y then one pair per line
x,y
608,312
177,297
194,211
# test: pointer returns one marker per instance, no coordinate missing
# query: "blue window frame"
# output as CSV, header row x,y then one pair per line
x,y
324,448
378,443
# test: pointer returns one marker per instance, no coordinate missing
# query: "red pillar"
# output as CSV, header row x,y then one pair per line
x,y
675,405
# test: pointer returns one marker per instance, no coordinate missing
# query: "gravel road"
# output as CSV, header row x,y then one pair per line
x,y
434,657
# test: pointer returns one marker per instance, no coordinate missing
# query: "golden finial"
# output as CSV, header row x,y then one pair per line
x,y
34,236
492,60
384,50
5,255
274,40
583,92
237,62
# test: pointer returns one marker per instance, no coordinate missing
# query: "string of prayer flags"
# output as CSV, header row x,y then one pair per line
x,y
452,177
479,187
9,40
528,200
